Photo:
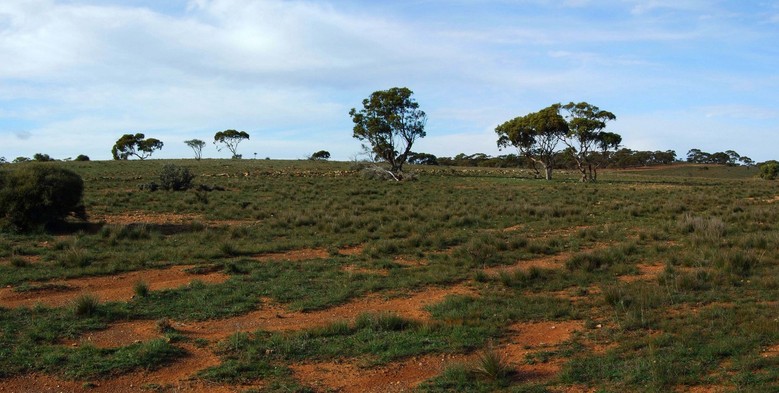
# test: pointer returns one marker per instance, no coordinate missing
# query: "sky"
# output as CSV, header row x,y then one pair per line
x,y
678,74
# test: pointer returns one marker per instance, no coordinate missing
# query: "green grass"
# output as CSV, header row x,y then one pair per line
x,y
714,232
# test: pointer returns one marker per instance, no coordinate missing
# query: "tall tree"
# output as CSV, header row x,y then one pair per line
x,y
585,126
135,145
389,122
733,157
535,136
230,139
607,143
197,146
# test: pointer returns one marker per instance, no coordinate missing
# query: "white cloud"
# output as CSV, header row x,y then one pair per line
x,y
288,71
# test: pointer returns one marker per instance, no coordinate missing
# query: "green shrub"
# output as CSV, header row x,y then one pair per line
x,y
141,288
769,170
175,178
492,365
74,257
85,305
39,195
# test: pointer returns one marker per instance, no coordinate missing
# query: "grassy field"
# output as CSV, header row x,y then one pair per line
x,y
307,276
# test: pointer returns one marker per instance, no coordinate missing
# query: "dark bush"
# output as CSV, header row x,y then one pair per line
x,y
39,195
320,155
40,157
769,170
82,157
175,178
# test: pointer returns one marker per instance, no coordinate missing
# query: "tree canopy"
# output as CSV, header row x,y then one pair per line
x,y
230,139
197,146
586,125
320,155
389,122
135,145
535,136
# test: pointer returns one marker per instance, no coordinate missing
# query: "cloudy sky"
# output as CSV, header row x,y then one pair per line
x,y
679,74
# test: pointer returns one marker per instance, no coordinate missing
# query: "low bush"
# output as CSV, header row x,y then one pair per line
x,y
769,170
39,195
175,178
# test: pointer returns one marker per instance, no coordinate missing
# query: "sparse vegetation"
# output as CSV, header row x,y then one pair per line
x,y
670,273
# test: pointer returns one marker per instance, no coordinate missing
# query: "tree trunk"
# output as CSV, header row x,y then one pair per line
x,y
548,171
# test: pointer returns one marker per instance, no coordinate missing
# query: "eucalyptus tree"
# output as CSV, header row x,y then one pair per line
x,y
607,144
535,136
230,139
197,146
586,123
389,123
135,145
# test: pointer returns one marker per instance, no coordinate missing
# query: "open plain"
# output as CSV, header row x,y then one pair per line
x,y
297,276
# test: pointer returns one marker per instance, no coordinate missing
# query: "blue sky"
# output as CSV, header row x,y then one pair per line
x,y
681,74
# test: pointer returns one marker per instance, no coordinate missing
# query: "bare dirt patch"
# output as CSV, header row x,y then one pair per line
x,y
771,352
272,318
394,377
352,250
405,375
109,288
362,270
119,335
405,261
702,389
533,335
177,377
546,262
276,318
142,217
645,273
294,255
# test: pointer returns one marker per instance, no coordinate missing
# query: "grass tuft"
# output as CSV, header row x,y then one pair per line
x,y
85,305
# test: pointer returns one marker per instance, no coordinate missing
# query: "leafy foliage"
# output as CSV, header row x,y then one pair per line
x,y
769,170
135,145
38,195
175,178
390,122
197,146
321,155
230,139
535,136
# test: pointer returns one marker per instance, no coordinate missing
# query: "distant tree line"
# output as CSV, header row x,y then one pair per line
x,y
623,158
728,157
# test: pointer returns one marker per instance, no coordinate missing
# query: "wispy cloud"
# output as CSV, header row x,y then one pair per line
x,y
86,71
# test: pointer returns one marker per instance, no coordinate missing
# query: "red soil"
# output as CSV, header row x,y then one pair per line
x,y
405,375
645,273
106,288
294,255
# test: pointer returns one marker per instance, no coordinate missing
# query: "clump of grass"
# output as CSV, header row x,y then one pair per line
x,y
141,288
74,257
383,322
739,263
164,325
86,305
710,229
17,261
228,249
491,365
588,262
635,304
480,250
